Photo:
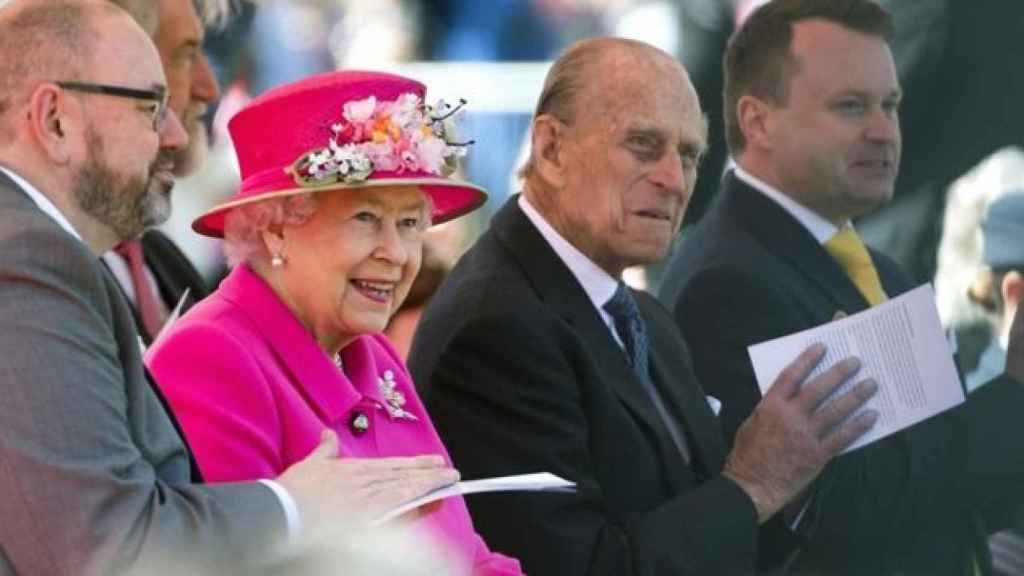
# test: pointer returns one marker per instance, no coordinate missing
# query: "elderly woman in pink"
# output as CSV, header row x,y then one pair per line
x,y
342,173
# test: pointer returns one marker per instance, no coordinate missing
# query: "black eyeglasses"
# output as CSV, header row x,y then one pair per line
x,y
158,95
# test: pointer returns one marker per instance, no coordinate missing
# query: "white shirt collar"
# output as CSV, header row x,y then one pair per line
x,y
42,202
819,227
598,284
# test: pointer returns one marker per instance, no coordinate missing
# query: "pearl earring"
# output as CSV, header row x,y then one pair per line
x,y
277,261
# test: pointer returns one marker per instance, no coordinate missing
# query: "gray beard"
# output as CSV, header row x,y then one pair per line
x,y
128,205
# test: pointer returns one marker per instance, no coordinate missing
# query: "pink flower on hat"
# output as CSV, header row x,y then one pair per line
x,y
392,136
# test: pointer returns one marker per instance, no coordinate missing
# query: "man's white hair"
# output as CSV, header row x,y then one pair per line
x,y
215,13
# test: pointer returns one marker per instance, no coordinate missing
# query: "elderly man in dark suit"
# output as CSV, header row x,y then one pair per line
x,y
535,356
152,271
94,477
812,101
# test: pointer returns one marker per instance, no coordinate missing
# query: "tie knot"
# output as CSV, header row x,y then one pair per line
x,y
851,254
130,250
848,250
621,305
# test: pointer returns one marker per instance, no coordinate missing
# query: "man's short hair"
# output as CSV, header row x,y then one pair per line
x,y
759,60
43,41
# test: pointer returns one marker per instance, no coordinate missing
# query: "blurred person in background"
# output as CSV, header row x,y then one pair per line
x,y
1000,287
959,258
342,175
152,271
442,246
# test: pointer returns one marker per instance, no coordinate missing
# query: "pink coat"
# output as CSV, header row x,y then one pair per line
x,y
253,390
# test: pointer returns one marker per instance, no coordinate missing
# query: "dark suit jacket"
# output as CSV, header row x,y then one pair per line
x,y
93,477
173,272
522,375
912,503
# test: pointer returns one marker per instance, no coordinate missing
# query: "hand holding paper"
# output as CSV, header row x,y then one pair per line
x,y
902,347
787,441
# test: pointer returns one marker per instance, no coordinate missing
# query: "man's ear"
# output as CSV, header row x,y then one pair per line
x,y
1013,287
548,149
754,118
52,122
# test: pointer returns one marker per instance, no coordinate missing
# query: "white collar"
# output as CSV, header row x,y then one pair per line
x,y
819,227
599,285
42,202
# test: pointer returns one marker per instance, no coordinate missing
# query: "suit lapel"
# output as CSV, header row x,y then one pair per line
x,y
556,285
770,224
121,309
687,405
136,317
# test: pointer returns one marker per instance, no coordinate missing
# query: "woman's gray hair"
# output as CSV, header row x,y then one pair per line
x,y
244,225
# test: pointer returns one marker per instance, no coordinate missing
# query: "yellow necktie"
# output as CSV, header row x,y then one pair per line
x,y
850,253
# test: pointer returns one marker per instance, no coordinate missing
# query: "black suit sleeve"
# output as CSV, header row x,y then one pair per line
x,y
510,394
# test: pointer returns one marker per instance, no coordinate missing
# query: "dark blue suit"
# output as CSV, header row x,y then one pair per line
x,y
916,502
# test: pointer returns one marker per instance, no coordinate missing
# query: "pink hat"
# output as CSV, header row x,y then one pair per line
x,y
347,129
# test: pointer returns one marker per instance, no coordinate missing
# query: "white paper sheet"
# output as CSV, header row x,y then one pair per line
x,y
901,345
541,481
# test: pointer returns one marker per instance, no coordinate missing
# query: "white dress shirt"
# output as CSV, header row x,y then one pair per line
x,y
819,227
599,285
291,511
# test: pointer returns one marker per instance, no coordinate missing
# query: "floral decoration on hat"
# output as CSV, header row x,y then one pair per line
x,y
390,136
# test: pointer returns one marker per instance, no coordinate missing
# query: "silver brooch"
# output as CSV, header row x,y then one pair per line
x,y
393,399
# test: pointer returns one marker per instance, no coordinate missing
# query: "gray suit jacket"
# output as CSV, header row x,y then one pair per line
x,y
93,477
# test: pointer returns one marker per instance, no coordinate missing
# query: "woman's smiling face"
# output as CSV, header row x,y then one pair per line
x,y
350,266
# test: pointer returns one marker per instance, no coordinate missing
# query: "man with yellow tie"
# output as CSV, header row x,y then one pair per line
x,y
811,112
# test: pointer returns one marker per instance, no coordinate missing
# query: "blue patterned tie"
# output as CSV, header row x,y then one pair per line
x,y
631,329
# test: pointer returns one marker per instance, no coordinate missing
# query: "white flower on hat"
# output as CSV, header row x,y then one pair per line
x,y
381,156
431,152
359,111
405,112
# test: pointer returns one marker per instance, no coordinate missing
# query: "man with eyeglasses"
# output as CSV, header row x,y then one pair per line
x,y
94,478
152,271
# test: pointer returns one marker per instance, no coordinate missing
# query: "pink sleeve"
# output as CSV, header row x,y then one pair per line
x,y
223,401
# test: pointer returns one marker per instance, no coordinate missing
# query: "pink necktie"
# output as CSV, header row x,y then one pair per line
x,y
147,301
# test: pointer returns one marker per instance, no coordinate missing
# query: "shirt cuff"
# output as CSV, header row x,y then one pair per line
x,y
293,521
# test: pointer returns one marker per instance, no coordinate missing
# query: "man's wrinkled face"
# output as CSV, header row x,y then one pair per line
x,y
190,80
631,161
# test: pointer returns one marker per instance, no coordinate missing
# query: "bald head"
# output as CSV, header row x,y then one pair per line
x,y
584,76
144,12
